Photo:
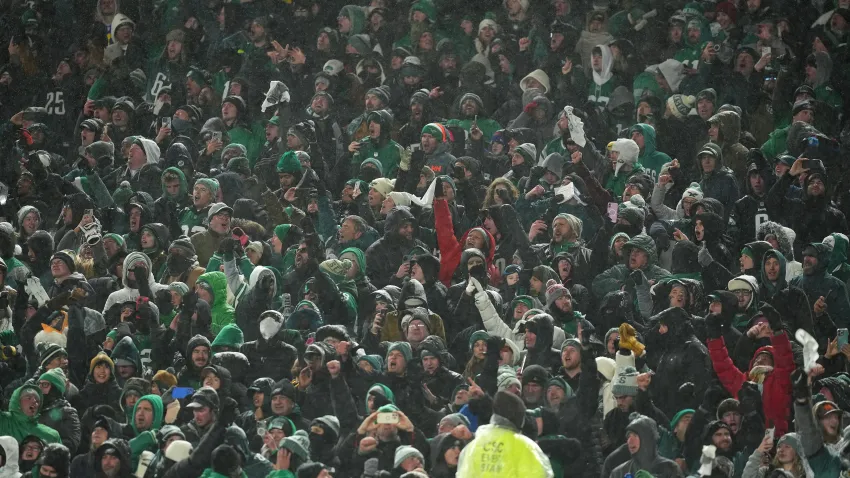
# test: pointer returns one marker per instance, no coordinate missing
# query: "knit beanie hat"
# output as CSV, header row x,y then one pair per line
x,y
164,380
381,92
528,151
625,383
211,184
416,313
560,383
48,351
56,378
404,452
509,406
336,269
726,406
402,347
376,361
68,257
331,422
299,444
487,22
383,186
681,105
179,287
571,342
436,130
476,336
555,291
693,191
507,378
289,163
535,374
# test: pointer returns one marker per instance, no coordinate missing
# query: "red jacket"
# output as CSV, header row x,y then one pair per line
x,y
451,249
776,390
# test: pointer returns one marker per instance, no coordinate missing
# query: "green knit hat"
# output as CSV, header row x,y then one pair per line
x,y
179,287
402,347
336,269
436,130
476,336
746,251
115,237
56,377
298,444
211,185
562,384
289,163
282,231
678,416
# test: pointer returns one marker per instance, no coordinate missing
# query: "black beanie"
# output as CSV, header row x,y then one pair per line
x,y
225,460
509,406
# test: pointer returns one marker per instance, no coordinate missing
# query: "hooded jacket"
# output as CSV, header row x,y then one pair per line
x,y
734,153
10,458
130,294
776,387
451,249
650,159
720,183
811,217
190,375
252,299
677,357
791,302
615,277
384,257
604,82
222,312
392,330
383,149
122,448
785,237
647,457
146,439
823,284
16,424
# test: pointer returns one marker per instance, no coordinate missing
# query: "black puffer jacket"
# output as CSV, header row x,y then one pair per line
x,y
384,257
543,326
677,356
580,418
269,358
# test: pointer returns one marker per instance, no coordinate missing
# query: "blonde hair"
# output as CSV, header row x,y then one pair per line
x,y
490,197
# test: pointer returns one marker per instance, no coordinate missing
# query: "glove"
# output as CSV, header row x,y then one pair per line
x,y
704,257
494,346
536,173
141,272
800,385
229,412
662,242
713,326
238,250
163,302
505,196
750,398
530,107
713,396
8,352
629,341
59,301
556,200
637,277
417,159
773,317
438,189
686,393
190,303
226,245
267,282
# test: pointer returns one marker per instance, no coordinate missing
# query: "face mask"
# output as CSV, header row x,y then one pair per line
x,y
180,125
269,327
177,264
368,174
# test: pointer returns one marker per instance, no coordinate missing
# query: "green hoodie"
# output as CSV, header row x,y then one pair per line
x,y
229,336
357,17
127,349
781,283
614,278
222,312
184,186
146,440
650,159
17,425
361,262
387,393
838,265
